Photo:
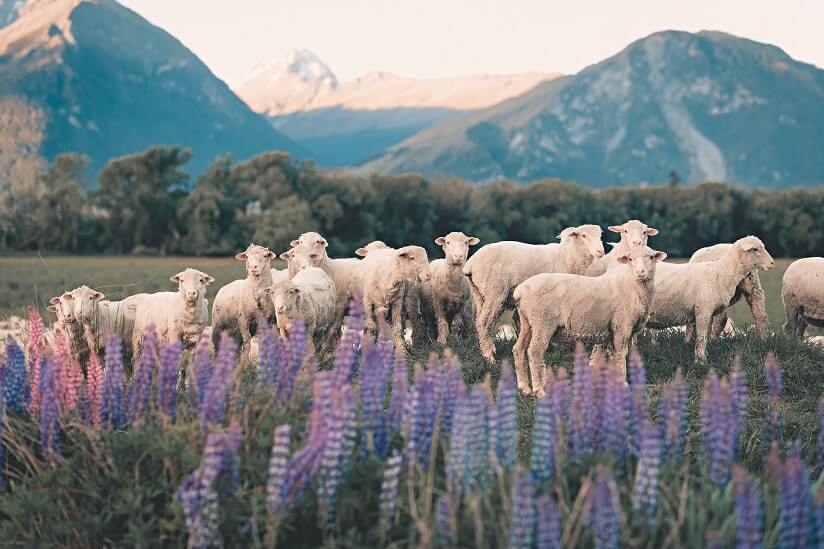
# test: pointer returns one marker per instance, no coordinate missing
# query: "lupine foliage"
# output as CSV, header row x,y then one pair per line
x,y
371,451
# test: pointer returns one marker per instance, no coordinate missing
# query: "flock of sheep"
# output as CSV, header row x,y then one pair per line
x,y
566,291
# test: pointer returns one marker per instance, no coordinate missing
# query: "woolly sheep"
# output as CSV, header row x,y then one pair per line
x,y
241,304
802,291
496,269
445,301
385,274
311,297
603,310
177,316
633,233
692,293
749,288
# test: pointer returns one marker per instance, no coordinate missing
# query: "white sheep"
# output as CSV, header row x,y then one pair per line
x,y
240,305
802,291
311,297
496,269
691,293
633,233
385,274
177,316
602,310
749,288
445,301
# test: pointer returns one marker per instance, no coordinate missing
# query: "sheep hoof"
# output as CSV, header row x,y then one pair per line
x,y
539,392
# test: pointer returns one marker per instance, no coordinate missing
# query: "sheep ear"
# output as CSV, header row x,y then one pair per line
x,y
651,232
323,242
286,256
270,254
440,241
54,301
569,231
294,243
98,295
175,278
473,241
404,255
749,246
361,252
68,296
660,256
241,256
207,280
623,259
615,228
52,308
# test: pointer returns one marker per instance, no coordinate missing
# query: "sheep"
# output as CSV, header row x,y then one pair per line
x,y
445,301
309,296
496,269
374,245
801,291
241,304
384,275
177,316
750,288
633,233
691,293
603,310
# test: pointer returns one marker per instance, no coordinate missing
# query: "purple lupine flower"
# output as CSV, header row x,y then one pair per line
x,y
582,415
522,524
140,391
548,530
277,468
388,498
772,425
373,379
505,410
647,473
231,457
639,408
112,405
544,443
167,378
452,380
796,506
197,495
748,515
447,529
719,428
15,378
349,343
301,469
673,417
603,509
477,438
611,435
561,395
201,368
819,513
400,390
212,408
292,358
421,414
456,457
334,450
49,410
269,349
35,357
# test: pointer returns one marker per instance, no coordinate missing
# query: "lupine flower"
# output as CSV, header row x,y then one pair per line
x,y
291,361
301,469
49,410
334,450
796,505
451,382
561,395
140,391
456,457
447,530
639,408
548,531
477,442
819,513
373,379
719,428
582,417
748,513
2,425
167,378
67,374
14,378
400,390
277,468
421,414
522,523
348,344
202,367
505,411
673,417
611,435
647,473
388,499
94,388
213,406
544,442
36,331
772,373
84,408
267,372
603,510
198,497
112,410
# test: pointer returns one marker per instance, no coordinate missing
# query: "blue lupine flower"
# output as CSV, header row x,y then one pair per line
x,y
388,498
112,405
603,510
202,368
140,391
212,408
820,463
795,518
611,435
673,417
293,357
277,468
505,411
748,512
373,381
269,350
197,495
772,425
544,442
167,378
548,531
400,390
334,450
719,428
522,524
639,409
647,474
347,347
477,438
15,378
582,416
49,410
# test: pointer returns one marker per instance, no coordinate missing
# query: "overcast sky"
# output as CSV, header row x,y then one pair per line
x,y
426,38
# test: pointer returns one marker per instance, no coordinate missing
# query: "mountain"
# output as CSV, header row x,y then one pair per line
x,y
93,77
710,106
344,123
10,10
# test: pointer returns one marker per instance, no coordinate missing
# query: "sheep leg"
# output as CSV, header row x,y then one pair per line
x,y
702,329
329,339
396,310
443,325
412,303
620,349
754,294
519,356
538,344
310,340
370,321
719,321
492,309
689,330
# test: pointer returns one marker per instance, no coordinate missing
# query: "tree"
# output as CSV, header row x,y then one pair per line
x,y
207,214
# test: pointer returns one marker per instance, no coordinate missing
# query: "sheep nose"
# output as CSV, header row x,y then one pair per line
x,y
599,253
642,273
636,242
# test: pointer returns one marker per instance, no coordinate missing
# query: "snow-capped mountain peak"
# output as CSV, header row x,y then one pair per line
x,y
302,64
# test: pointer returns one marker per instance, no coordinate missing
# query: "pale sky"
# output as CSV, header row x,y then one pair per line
x,y
430,38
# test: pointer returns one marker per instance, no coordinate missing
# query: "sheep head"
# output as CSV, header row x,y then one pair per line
x,y
633,232
412,264
456,247
587,237
374,245
753,254
314,241
191,284
258,260
642,261
84,302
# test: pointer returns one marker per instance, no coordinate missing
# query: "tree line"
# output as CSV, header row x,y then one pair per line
x,y
146,203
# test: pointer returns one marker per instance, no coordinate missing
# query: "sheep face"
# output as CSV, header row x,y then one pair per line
x,y
285,300
84,302
258,260
191,284
753,253
456,247
587,237
63,307
374,245
633,232
314,241
642,261
306,256
412,263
